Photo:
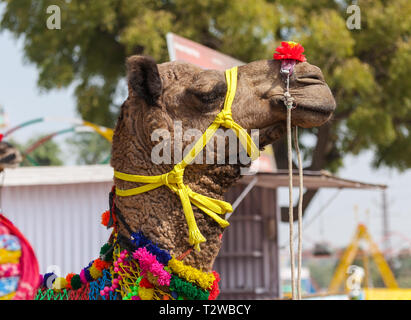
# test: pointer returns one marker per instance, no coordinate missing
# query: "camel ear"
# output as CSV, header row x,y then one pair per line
x,y
144,79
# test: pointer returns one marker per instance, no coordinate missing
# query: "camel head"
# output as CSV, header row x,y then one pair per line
x,y
161,95
176,91
10,156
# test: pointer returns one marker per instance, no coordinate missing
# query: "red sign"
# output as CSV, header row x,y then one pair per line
x,y
182,49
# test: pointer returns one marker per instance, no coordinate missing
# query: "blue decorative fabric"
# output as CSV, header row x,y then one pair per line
x,y
9,242
99,284
8,285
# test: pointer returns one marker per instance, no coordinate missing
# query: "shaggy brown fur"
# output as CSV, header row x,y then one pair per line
x,y
10,157
175,91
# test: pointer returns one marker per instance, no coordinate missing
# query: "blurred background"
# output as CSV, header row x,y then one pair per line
x,y
77,71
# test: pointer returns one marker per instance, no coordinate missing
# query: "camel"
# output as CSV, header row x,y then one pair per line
x,y
10,156
174,91
159,95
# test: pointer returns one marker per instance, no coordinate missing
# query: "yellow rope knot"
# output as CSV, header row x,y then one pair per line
x,y
175,176
225,119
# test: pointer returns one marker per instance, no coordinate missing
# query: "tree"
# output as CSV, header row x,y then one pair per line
x,y
367,69
46,154
90,148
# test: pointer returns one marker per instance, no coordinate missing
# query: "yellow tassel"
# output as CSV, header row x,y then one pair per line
x,y
195,238
203,279
59,284
146,293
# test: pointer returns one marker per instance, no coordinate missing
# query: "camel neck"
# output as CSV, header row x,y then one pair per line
x,y
159,214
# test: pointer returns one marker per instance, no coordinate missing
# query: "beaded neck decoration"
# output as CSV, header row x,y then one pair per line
x,y
131,269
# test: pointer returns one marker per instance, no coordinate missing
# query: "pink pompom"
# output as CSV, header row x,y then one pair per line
x,y
148,262
83,277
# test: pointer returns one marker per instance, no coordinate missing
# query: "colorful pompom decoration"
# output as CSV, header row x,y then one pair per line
x,y
59,283
151,269
100,264
95,273
106,253
290,50
68,279
215,291
144,273
105,218
76,282
144,283
48,279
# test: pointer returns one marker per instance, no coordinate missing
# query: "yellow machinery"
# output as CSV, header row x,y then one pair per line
x,y
349,256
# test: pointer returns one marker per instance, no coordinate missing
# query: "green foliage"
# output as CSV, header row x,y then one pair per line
x,y
90,148
367,69
46,154
402,270
321,271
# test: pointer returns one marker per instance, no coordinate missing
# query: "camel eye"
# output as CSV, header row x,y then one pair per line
x,y
211,95
207,96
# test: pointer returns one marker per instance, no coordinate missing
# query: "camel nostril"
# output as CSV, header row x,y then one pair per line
x,y
313,74
311,78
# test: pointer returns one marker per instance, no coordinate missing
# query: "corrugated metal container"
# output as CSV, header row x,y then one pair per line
x,y
60,218
248,260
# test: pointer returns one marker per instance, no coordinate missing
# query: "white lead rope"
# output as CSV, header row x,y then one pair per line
x,y
289,102
300,212
290,203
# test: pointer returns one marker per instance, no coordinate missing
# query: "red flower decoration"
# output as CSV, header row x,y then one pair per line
x,y
290,50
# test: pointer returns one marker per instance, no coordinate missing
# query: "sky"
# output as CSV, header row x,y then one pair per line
x,y
23,101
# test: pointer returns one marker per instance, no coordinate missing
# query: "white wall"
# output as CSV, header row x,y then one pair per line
x,y
62,222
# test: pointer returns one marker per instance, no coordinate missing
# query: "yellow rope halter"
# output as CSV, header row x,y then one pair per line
x,y
174,179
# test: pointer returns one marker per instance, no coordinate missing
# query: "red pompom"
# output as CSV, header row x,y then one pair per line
x,y
105,218
290,50
1,137
68,279
145,283
100,264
